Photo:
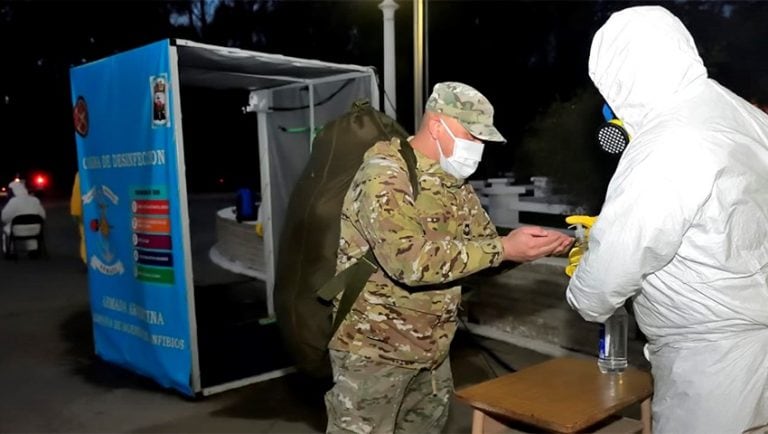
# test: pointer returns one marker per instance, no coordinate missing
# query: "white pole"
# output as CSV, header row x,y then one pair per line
x,y
418,62
388,8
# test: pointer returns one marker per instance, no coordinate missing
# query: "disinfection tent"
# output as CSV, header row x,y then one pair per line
x,y
130,145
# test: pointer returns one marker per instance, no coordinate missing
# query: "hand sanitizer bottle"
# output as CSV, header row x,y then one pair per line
x,y
612,356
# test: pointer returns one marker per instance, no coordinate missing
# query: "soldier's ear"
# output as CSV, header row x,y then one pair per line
x,y
433,126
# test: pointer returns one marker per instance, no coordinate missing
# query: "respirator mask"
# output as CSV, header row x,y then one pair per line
x,y
612,136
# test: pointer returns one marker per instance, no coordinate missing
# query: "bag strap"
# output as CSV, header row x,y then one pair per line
x,y
406,151
351,281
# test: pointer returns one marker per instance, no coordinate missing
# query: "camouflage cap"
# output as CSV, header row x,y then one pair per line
x,y
468,106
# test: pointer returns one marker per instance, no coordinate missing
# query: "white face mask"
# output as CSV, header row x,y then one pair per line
x,y
465,158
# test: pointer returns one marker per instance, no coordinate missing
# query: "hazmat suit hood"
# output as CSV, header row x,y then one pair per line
x,y
638,74
18,189
683,231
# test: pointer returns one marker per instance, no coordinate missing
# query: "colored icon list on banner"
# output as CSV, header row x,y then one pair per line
x,y
152,254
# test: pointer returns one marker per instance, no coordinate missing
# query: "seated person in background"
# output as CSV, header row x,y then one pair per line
x,y
21,203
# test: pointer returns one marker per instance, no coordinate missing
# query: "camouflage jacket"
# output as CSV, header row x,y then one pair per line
x,y
443,236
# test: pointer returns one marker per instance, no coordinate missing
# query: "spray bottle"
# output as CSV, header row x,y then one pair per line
x,y
612,347
581,225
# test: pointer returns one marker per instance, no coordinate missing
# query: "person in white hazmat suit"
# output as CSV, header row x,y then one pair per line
x,y
21,203
684,227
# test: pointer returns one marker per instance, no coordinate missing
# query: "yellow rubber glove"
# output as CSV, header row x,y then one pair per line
x,y
260,230
583,224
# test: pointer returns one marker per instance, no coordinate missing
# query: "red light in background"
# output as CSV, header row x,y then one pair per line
x,y
38,181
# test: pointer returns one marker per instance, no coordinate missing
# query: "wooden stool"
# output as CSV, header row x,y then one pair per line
x,y
562,395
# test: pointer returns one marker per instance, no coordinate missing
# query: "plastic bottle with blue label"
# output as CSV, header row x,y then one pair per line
x,y
612,357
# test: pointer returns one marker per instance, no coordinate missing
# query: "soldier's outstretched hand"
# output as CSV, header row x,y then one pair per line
x,y
529,243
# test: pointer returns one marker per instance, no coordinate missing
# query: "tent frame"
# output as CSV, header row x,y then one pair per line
x,y
263,93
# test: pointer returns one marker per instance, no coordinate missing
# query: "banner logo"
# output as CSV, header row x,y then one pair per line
x,y
106,262
80,116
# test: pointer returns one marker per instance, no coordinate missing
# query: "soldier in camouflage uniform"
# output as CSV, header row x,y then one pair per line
x,y
390,353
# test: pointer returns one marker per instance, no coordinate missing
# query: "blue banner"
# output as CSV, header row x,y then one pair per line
x,y
129,175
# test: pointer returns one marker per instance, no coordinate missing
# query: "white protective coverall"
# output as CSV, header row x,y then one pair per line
x,y
684,226
21,203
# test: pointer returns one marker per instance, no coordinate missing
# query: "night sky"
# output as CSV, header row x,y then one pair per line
x,y
529,58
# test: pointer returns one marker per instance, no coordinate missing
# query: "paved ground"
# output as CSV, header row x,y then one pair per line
x,y
52,382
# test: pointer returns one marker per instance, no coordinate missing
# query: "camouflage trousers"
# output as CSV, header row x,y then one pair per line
x,y
374,397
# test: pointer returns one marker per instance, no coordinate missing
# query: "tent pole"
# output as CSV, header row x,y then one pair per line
x,y
185,229
374,91
311,88
266,201
336,77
